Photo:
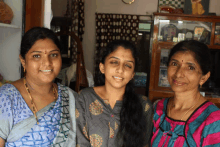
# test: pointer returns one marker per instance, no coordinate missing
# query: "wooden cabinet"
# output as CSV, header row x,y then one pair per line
x,y
172,28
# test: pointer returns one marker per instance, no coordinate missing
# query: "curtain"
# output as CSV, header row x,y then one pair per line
x,y
75,10
111,27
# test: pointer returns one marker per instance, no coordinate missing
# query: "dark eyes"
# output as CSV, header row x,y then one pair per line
x,y
51,55
173,64
54,55
117,62
36,56
190,67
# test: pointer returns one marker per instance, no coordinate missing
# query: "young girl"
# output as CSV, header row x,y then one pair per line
x,y
111,114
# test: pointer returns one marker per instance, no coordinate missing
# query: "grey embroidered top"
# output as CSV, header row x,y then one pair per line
x,y
97,123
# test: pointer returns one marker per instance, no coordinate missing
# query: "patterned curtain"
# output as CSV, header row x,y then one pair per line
x,y
111,27
75,10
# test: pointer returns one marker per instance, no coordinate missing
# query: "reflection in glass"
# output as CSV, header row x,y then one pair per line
x,y
163,82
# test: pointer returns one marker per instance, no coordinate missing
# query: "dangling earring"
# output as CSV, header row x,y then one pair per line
x,y
200,86
24,70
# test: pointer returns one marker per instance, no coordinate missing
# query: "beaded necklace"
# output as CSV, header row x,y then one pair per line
x,y
34,108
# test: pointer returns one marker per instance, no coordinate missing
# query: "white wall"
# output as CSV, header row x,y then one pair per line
x,y
10,39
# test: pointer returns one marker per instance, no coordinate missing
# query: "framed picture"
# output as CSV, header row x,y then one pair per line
x,y
173,3
168,32
196,7
198,32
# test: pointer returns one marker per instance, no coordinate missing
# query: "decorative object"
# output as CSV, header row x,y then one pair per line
x,y
168,32
170,9
198,32
166,9
189,35
173,3
181,37
196,7
128,1
6,13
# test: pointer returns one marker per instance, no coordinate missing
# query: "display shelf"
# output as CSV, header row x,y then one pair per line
x,y
4,25
171,27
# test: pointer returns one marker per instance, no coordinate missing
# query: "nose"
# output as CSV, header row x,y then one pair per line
x,y
46,61
180,72
120,68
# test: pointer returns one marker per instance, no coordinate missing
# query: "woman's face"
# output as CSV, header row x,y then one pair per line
x,y
184,73
118,68
42,62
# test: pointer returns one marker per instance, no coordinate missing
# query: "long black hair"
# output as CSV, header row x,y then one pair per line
x,y
132,127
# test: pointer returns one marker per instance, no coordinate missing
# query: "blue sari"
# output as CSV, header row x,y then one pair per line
x,y
18,126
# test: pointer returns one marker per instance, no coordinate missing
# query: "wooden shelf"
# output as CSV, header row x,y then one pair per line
x,y
4,25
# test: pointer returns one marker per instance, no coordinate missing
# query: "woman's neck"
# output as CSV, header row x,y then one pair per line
x,y
34,87
185,99
111,94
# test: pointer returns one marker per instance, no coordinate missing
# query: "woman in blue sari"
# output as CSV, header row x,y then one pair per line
x,y
35,111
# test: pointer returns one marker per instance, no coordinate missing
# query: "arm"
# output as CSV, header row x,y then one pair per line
x,y
2,142
211,131
6,115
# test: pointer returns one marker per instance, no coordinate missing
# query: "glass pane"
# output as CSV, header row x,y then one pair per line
x,y
163,82
176,31
217,34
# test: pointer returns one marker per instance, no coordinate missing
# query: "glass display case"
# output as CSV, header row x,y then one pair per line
x,y
170,29
176,30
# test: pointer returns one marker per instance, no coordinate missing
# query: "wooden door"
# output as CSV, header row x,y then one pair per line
x,y
34,16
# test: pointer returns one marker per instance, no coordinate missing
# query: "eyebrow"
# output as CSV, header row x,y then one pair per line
x,y
119,59
49,52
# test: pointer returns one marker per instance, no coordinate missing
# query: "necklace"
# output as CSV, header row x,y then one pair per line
x,y
34,108
187,110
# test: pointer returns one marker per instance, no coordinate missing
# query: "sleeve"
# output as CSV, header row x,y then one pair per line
x,y
148,110
82,137
6,115
211,131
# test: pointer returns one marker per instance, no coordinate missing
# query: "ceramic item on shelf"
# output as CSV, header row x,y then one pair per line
x,y
128,1
6,13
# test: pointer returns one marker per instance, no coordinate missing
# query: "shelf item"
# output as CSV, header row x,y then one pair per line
x,y
169,29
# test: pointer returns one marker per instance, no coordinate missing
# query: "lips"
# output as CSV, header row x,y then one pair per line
x,y
117,78
178,83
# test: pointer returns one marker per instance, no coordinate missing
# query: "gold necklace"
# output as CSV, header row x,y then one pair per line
x,y
187,110
34,108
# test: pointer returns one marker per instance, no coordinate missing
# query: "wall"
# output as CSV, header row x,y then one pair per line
x,y
10,38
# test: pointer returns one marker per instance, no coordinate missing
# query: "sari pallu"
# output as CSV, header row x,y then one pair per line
x,y
18,125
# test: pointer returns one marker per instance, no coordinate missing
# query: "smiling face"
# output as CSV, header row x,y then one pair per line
x,y
42,62
118,68
184,72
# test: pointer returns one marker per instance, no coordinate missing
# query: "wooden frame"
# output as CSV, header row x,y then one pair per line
x,y
34,16
81,78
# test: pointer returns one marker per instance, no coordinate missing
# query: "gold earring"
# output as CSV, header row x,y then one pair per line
x,y
200,86
24,69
